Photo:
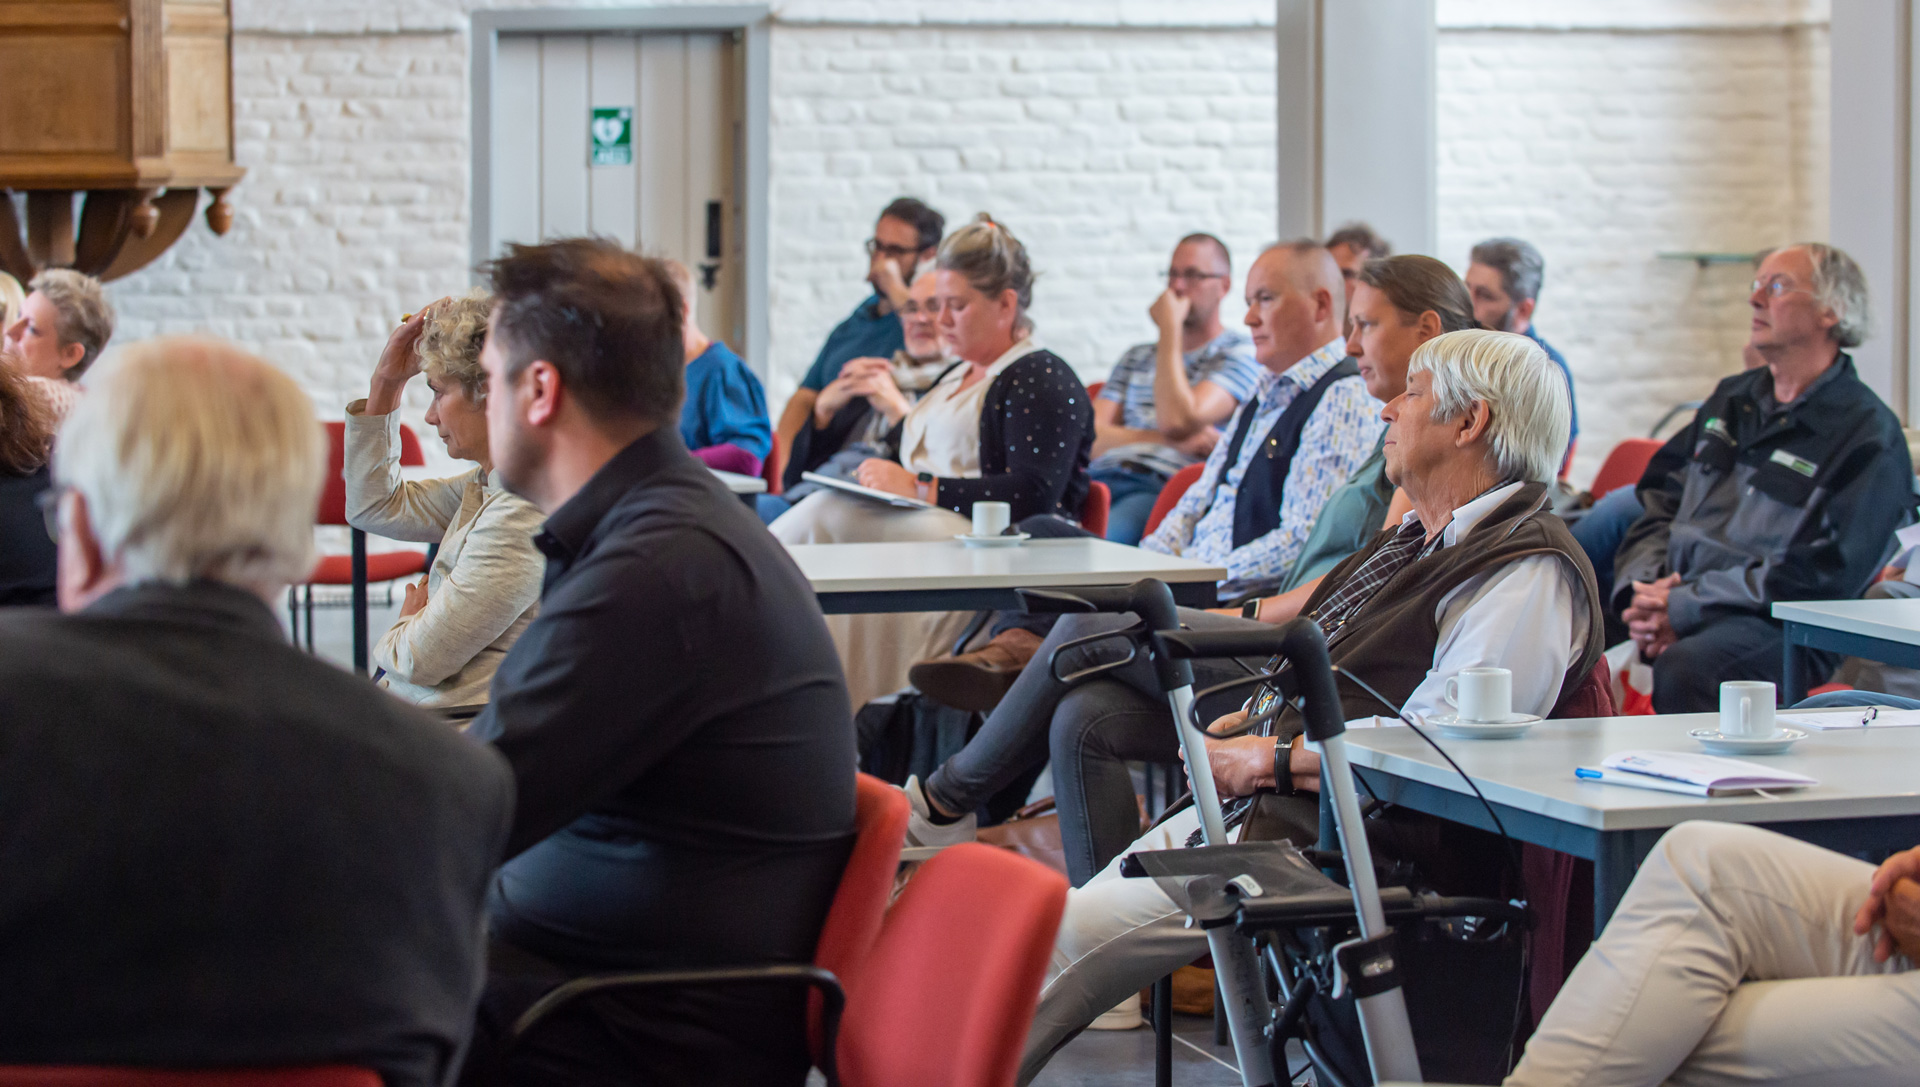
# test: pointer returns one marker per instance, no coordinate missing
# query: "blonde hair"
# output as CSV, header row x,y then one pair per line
x,y
1525,393
450,344
12,297
197,461
992,260
86,317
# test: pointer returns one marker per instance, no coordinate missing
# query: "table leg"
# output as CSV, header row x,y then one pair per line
x,y
1792,688
1615,861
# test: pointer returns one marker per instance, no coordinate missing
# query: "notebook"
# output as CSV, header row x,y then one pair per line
x,y
888,497
1694,775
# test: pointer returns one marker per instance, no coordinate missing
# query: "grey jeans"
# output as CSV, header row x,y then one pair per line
x,y
1091,727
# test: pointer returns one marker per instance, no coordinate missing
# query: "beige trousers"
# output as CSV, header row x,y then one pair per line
x,y
1732,960
876,650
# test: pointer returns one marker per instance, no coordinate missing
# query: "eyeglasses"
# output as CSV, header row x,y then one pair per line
x,y
1775,286
49,503
876,247
1191,275
915,309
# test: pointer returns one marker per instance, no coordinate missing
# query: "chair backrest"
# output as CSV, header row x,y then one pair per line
x,y
1094,511
78,1075
860,904
1624,465
333,497
947,996
1171,493
1594,696
772,467
1093,390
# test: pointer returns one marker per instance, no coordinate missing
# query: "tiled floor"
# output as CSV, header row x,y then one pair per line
x,y
1124,1058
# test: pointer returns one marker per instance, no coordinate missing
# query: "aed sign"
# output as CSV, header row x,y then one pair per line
x,y
611,131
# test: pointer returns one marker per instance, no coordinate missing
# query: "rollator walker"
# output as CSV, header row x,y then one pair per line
x,y
1278,925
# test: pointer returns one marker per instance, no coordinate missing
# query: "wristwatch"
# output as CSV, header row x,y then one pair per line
x,y
1283,768
923,486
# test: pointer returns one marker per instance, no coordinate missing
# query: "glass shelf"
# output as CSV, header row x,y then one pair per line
x,y
1704,259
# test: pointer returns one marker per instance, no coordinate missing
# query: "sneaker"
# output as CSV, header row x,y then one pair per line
x,y
923,832
1122,1016
976,681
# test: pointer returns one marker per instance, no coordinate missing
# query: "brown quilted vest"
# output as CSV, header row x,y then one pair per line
x,y
1389,641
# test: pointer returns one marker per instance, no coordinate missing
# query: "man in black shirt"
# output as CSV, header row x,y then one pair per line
x,y
675,717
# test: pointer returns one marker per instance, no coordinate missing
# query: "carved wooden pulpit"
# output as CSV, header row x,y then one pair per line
x,y
117,114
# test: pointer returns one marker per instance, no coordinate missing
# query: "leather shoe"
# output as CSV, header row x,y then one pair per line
x,y
977,681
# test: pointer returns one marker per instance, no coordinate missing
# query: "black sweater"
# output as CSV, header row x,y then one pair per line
x,y
1036,437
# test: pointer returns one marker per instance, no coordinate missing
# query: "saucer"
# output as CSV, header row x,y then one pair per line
x,y
1714,742
1450,725
971,540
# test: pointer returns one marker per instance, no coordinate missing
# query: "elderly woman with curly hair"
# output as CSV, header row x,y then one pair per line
x,y
484,587
27,557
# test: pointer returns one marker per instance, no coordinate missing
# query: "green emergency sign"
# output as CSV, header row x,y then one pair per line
x,y
611,129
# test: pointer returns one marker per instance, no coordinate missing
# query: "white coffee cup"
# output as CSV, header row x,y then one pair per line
x,y
1481,695
1746,709
991,518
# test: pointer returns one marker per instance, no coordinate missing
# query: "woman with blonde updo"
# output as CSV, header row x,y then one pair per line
x,y
1009,423
484,587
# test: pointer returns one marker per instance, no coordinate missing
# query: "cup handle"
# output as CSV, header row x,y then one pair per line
x,y
1451,691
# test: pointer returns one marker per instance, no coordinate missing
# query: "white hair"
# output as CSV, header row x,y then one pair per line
x,y
197,461
1524,391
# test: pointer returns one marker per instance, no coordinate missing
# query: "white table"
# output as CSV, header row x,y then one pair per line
x,y
1881,630
1867,802
739,484
946,575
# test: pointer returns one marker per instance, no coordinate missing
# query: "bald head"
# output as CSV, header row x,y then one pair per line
x,y
1296,303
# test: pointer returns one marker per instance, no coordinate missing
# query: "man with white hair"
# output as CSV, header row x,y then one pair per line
x,y
249,856
1788,485
1481,573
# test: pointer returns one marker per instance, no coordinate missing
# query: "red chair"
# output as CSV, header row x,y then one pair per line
x,y
81,1075
773,466
1624,465
854,923
1171,494
1093,390
947,996
1093,512
357,569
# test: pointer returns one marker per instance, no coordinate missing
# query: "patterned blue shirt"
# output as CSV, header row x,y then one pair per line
x,y
1338,438
1226,360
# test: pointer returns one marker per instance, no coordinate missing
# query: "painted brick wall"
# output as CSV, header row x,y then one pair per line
x,y
1608,143
1604,132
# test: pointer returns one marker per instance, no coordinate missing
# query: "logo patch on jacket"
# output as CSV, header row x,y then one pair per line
x,y
1717,427
1804,467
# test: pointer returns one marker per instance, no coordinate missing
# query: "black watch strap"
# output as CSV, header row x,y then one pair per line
x,y
1283,767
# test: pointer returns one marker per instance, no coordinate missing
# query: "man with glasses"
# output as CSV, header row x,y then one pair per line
x,y
1163,403
906,235
1504,275
1787,485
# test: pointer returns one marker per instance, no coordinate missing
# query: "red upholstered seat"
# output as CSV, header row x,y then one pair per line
x,y
1094,511
860,903
1624,465
381,566
77,1075
948,993
1171,494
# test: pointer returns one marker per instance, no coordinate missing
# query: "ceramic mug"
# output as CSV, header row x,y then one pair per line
x,y
991,518
1746,709
1481,695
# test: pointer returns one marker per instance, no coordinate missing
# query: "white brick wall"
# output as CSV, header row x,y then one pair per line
x,y
1605,145
1602,131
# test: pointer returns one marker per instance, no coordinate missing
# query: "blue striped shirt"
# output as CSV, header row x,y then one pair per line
x,y
1226,360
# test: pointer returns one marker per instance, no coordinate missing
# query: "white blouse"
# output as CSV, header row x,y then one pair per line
x,y
941,435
